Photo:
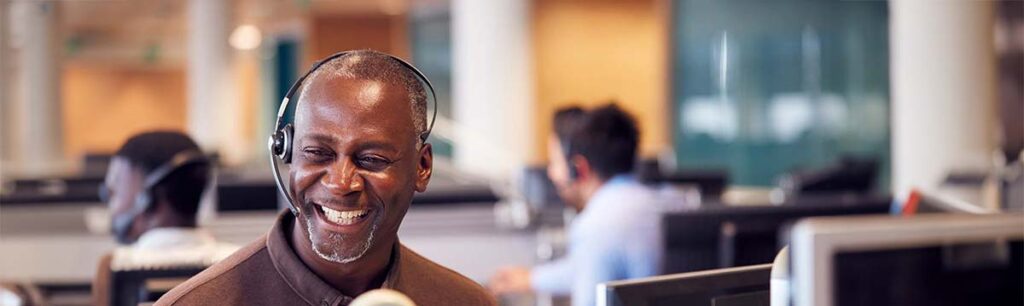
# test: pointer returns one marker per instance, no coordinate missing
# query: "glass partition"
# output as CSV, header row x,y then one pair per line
x,y
765,87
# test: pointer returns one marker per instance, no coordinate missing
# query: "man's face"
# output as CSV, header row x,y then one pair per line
x,y
558,171
122,183
356,165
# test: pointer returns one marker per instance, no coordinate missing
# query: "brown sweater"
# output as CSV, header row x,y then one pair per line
x,y
268,272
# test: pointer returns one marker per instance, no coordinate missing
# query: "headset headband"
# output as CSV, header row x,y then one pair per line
x,y
179,160
298,83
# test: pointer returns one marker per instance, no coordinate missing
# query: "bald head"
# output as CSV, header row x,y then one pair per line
x,y
375,66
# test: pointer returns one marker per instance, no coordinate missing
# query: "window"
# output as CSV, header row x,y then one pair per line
x,y
765,87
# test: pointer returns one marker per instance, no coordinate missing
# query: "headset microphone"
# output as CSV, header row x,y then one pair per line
x,y
382,297
281,140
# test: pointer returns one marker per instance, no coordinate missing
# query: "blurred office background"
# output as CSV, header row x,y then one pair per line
x,y
743,102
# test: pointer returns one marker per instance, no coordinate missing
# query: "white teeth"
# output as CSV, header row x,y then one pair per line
x,y
342,217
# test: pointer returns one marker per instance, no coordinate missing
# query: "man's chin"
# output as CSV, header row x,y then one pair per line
x,y
337,247
334,254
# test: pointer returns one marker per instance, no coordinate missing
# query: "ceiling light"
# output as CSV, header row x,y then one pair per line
x,y
245,37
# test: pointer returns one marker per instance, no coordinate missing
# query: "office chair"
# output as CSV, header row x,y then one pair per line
x,y
147,284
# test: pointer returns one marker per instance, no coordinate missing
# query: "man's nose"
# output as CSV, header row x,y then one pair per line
x,y
342,178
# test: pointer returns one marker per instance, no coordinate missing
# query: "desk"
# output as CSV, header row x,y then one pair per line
x,y
52,246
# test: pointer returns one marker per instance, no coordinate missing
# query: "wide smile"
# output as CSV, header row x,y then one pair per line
x,y
342,221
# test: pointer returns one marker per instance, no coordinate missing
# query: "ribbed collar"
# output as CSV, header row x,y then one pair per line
x,y
301,279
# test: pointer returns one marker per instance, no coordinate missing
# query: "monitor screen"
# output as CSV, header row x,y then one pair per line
x,y
741,286
754,298
951,275
738,296
247,197
729,236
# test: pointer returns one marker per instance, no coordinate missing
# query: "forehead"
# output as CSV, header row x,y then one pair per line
x,y
343,105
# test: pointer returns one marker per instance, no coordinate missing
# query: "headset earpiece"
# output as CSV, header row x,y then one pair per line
x,y
281,143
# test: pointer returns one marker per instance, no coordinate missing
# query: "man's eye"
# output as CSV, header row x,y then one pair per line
x,y
316,155
373,162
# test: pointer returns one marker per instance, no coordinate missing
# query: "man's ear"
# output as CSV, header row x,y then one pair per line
x,y
583,169
143,219
158,197
424,167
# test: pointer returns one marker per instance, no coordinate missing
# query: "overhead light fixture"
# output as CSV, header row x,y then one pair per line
x,y
245,37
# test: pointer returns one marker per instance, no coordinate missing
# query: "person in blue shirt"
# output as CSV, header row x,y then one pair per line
x,y
616,233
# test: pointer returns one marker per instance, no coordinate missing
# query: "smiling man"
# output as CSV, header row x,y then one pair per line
x,y
357,160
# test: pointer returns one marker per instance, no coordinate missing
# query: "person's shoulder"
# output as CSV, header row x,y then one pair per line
x,y
441,284
215,280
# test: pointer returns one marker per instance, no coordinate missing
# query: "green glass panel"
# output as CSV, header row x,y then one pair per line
x,y
765,87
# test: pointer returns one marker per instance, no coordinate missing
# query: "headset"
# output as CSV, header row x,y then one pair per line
x,y
567,151
121,223
281,140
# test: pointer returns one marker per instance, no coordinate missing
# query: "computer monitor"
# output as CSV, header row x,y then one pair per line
x,y
740,286
53,190
728,236
848,174
454,194
934,260
710,182
95,164
247,196
538,190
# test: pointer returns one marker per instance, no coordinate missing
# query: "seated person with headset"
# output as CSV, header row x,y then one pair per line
x,y
357,153
616,234
153,189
